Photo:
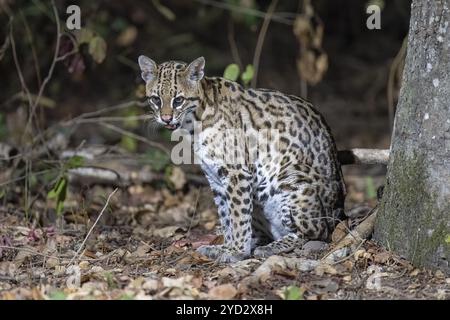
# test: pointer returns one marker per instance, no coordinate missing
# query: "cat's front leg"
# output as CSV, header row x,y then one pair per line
x,y
235,211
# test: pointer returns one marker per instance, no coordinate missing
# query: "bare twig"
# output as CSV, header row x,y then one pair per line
x,y
93,226
112,119
97,113
260,42
50,71
280,18
74,44
23,177
33,49
233,45
352,240
17,64
134,136
68,54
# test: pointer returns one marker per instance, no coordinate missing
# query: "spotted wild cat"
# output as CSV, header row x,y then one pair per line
x,y
269,203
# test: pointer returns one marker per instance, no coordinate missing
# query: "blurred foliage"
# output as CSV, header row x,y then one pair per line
x,y
157,160
232,72
58,295
58,192
103,69
371,191
248,74
248,19
379,3
3,128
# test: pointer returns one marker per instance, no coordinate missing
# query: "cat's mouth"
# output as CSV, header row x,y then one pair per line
x,y
172,126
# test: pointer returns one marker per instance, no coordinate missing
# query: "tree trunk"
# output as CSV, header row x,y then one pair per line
x,y
414,216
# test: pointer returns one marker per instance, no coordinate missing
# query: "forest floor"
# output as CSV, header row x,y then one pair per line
x,y
146,250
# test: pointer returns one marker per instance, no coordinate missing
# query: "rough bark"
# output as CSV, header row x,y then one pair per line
x,y
414,216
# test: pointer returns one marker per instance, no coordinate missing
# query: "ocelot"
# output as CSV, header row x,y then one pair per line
x,y
269,201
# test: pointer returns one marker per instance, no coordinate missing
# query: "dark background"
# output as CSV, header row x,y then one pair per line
x,y
352,94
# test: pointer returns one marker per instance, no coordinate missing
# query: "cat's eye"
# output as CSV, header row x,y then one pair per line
x,y
155,100
177,102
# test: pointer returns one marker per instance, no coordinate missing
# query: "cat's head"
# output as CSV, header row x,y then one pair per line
x,y
172,89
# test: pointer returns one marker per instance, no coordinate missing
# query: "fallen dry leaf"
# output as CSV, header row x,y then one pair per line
x,y
177,178
323,268
167,232
340,231
382,257
209,239
223,292
414,273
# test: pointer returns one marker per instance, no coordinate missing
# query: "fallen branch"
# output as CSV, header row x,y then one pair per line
x,y
105,176
363,156
352,241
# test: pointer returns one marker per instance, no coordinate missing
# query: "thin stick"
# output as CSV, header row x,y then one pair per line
x,y
33,49
93,226
75,120
233,45
261,37
280,18
51,69
19,69
135,136
113,119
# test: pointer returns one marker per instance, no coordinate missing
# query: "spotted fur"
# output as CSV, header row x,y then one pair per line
x,y
267,204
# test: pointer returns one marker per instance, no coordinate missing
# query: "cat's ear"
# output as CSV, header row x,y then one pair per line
x,y
195,71
148,68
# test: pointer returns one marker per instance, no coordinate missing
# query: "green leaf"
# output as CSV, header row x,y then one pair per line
x,y
294,293
57,295
129,143
57,189
248,74
59,193
97,49
231,72
75,162
447,239
371,191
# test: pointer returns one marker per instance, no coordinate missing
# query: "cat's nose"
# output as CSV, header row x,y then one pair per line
x,y
166,118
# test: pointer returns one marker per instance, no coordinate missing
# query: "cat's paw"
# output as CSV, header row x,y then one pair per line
x,y
264,251
221,254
